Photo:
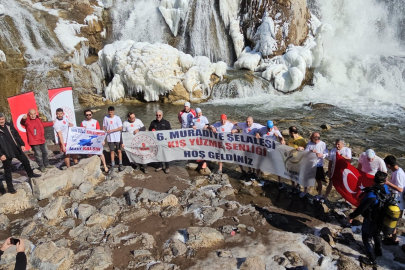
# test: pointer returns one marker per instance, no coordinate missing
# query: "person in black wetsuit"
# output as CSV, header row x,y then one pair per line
x,y
370,228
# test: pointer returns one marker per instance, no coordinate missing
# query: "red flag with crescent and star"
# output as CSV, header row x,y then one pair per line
x,y
349,181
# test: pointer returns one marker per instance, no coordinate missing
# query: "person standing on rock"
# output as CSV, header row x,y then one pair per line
x,y
296,139
299,143
370,163
397,186
186,116
61,126
200,122
92,124
321,150
112,124
270,132
36,137
368,208
249,128
223,126
12,146
346,153
133,125
161,124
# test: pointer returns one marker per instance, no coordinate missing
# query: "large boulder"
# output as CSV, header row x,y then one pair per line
x,y
50,257
14,203
85,211
87,169
253,263
138,194
50,182
54,180
55,209
203,237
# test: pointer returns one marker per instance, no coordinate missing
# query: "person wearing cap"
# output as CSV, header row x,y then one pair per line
x,y
321,150
370,229
249,128
160,124
112,124
12,146
133,125
186,116
270,132
92,124
221,127
34,127
200,121
61,126
346,153
370,163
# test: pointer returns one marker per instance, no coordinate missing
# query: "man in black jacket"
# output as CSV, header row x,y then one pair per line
x,y
370,228
12,146
160,124
21,258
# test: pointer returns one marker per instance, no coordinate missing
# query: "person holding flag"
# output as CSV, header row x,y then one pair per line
x,y
370,163
92,124
346,153
270,132
223,126
186,116
61,126
160,124
36,138
133,125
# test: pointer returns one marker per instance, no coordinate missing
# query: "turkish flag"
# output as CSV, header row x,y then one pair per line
x,y
19,106
349,181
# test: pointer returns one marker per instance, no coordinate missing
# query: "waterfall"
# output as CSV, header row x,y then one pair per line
x,y
201,33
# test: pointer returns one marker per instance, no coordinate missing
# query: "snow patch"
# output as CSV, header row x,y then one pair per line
x,y
2,56
2,9
66,32
91,19
248,59
39,6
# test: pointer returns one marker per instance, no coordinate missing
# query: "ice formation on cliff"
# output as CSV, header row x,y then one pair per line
x,y
154,69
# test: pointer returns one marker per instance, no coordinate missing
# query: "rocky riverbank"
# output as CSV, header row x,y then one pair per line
x,y
80,218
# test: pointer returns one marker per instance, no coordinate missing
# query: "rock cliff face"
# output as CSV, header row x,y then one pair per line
x,y
274,24
51,44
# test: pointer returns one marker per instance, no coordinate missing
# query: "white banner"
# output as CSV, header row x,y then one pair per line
x,y
84,141
62,98
188,144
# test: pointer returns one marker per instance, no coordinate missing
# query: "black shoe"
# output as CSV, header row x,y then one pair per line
x,y
34,175
368,261
3,191
121,168
12,190
135,167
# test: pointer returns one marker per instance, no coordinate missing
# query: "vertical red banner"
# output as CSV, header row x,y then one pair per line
x,y
19,105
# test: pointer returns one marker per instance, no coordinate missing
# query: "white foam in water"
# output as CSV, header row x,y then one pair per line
x,y
361,63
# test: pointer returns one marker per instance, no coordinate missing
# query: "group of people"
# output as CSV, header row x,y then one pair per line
x,y
12,146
